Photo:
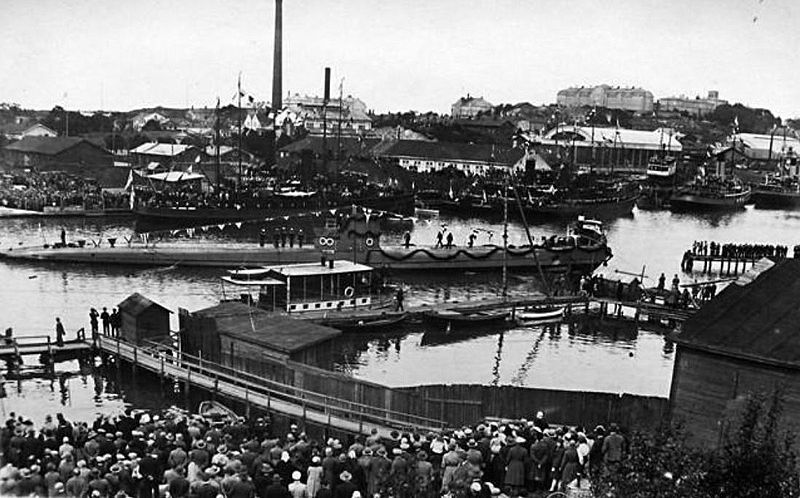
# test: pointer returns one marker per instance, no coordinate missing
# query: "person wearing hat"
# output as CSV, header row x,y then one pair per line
x,y
276,489
77,485
541,463
346,487
613,448
423,475
296,488
378,473
515,466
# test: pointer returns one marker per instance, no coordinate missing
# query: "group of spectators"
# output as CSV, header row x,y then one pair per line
x,y
143,454
742,251
277,193
35,190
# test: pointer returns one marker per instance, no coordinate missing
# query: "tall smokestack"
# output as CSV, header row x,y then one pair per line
x,y
277,60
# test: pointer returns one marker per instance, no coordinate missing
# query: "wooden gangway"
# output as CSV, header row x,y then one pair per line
x,y
302,404
43,345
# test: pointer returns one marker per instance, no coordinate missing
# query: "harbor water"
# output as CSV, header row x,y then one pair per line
x,y
591,356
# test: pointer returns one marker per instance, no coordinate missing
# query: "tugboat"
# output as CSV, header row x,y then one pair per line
x,y
781,191
660,183
712,192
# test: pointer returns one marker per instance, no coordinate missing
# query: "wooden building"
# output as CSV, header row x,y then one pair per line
x,y
248,338
43,151
142,320
745,341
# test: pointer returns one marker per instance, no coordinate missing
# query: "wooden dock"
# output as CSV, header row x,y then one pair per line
x,y
727,265
44,347
301,404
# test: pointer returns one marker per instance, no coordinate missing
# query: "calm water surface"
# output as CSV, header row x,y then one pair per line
x,y
588,356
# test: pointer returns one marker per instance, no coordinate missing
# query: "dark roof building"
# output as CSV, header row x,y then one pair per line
x,y
745,341
61,151
143,319
241,336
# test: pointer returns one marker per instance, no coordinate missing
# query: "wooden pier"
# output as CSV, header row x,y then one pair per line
x,y
44,347
727,265
301,404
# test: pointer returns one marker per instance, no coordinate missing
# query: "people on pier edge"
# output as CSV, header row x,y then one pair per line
x,y
738,251
172,454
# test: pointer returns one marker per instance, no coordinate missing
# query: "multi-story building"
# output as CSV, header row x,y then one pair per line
x,y
468,107
696,106
633,99
317,115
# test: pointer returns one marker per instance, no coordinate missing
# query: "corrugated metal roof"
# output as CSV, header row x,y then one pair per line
x,y
256,326
759,319
136,303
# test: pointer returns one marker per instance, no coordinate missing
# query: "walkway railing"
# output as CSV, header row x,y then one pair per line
x,y
164,359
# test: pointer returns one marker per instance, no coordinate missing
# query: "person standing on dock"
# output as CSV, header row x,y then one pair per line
x,y
291,236
63,238
407,239
284,233
106,319
662,281
675,283
116,322
59,332
300,238
93,316
471,239
262,237
399,297
439,238
276,237
449,240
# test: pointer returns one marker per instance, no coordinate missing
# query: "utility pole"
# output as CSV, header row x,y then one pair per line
x,y
326,97
239,111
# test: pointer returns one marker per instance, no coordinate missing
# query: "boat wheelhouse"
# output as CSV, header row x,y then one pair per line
x,y
333,285
661,168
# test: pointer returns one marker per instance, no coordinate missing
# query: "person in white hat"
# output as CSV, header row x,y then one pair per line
x,y
296,488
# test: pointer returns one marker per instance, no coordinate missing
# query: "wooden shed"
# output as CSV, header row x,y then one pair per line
x,y
745,341
142,319
247,338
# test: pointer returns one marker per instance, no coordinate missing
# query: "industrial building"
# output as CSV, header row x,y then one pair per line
x,y
694,106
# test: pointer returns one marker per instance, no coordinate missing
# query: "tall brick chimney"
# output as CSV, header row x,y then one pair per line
x,y
277,61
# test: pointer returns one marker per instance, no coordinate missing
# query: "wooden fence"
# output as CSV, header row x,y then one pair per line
x,y
564,407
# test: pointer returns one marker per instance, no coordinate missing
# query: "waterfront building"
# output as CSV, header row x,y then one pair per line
x,y
468,107
696,106
610,146
744,342
45,151
317,116
756,147
633,99
143,320
470,159
142,118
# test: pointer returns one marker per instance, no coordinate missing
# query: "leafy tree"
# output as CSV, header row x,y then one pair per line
x,y
152,125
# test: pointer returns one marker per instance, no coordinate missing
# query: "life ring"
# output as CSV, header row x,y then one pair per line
x,y
369,242
349,291
323,241
330,241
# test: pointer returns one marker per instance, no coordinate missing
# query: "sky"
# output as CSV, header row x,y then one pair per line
x,y
396,55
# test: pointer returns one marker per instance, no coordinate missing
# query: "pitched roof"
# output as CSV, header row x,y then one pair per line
x,y
136,303
258,327
48,146
455,151
350,145
756,318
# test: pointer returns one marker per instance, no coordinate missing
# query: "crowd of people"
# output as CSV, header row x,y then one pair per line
x,y
172,454
741,251
35,190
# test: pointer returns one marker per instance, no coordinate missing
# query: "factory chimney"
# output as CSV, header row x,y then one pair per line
x,y
277,61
